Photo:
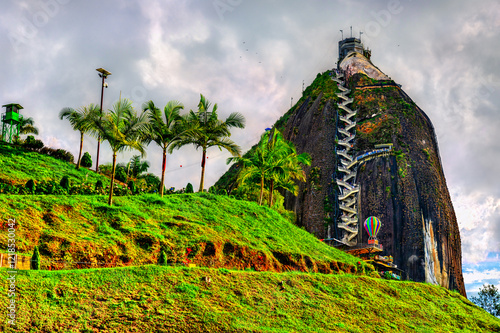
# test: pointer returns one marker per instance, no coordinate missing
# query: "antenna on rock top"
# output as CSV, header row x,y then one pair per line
x,y
351,31
360,33
342,31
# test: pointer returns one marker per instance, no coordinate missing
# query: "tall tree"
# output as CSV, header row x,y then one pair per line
x,y
205,130
27,126
164,129
274,161
80,120
123,129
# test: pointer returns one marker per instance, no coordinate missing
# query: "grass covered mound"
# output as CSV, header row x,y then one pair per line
x,y
166,299
204,229
18,165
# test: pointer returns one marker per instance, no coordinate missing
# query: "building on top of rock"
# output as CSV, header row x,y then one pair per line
x,y
352,44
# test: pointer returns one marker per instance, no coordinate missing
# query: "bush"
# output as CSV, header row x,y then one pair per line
x,y
86,161
189,188
60,154
65,184
32,144
98,185
64,155
131,186
30,185
35,259
162,259
151,180
121,175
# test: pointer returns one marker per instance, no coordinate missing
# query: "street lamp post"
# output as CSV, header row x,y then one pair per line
x,y
103,74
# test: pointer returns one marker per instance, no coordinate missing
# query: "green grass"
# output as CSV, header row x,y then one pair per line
x,y
221,231
166,299
19,165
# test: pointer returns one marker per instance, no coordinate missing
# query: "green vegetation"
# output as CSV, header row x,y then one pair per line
x,y
164,130
489,299
27,126
220,230
80,120
274,160
162,259
86,161
205,130
322,84
123,129
35,259
18,165
177,299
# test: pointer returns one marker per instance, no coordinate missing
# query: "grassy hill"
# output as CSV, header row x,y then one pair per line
x,y
166,299
218,230
277,287
18,165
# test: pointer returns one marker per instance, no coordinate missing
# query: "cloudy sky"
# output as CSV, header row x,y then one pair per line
x,y
253,57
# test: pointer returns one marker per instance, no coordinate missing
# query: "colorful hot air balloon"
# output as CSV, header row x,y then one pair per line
x,y
372,226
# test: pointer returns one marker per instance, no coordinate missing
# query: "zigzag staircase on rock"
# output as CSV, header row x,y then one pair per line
x,y
348,221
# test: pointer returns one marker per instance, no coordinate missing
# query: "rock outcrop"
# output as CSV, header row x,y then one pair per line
x,y
406,190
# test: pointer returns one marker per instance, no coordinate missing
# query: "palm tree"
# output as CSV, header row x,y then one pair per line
x,y
123,129
275,160
26,126
205,130
136,167
80,121
287,167
164,130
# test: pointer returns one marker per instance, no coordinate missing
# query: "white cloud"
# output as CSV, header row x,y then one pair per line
x,y
477,215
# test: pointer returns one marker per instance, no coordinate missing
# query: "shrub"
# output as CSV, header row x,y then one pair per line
x,y
162,259
47,151
30,185
33,144
86,161
64,155
121,175
98,185
35,259
151,180
60,154
189,188
65,184
131,186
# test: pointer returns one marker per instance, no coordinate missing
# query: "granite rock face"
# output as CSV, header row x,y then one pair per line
x,y
407,190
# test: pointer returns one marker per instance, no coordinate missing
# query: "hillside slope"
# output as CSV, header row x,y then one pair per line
x,y
18,165
164,299
83,231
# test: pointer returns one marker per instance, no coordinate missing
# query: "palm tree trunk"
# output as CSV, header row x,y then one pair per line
x,y
163,166
271,188
204,157
113,170
80,155
97,159
261,190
